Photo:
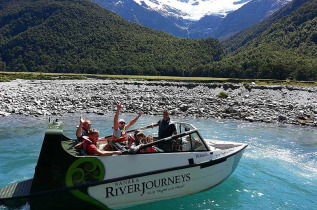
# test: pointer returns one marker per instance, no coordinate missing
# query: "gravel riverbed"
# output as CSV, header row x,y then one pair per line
x,y
271,104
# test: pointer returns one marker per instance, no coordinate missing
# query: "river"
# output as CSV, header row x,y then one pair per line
x,y
277,171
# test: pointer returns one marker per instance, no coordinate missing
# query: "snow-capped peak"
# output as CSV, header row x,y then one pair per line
x,y
193,9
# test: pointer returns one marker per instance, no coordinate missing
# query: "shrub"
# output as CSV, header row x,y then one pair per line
x,y
222,94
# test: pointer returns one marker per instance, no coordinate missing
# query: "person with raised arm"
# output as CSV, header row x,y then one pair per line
x,y
83,129
120,127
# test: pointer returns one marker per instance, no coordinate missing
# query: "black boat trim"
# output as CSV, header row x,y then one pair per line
x,y
201,165
213,162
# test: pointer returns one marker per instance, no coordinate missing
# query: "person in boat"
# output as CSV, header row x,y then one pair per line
x,y
166,126
119,127
135,141
83,129
89,145
149,139
138,140
166,129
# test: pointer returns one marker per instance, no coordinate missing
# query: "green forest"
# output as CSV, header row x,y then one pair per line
x,y
282,47
78,36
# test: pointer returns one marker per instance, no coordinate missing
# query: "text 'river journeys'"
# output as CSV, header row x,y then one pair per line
x,y
134,185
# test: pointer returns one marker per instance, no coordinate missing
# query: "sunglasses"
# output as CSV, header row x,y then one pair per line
x,y
122,122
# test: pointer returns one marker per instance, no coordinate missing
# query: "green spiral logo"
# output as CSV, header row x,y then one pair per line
x,y
85,170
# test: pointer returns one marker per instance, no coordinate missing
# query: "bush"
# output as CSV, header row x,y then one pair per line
x,y
222,94
4,78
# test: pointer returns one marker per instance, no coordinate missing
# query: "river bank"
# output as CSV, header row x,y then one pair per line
x,y
271,104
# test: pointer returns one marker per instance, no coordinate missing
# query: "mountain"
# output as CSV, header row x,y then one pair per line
x,y
79,36
248,15
243,37
194,18
192,9
131,11
281,47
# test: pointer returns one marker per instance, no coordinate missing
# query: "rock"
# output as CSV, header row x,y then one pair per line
x,y
184,107
4,114
249,102
250,118
281,118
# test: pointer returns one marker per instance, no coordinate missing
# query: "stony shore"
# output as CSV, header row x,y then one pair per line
x,y
271,104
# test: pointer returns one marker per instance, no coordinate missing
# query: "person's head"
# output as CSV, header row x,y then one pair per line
x,y
139,135
166,115
121,124
94,135
149,139
87,125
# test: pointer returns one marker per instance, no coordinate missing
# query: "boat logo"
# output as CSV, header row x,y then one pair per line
x,y
160,185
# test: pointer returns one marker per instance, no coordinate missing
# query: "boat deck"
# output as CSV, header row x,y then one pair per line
x,y
21,189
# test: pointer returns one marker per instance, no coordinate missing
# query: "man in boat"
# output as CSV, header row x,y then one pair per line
x,y
83,129
166,126
166,129
119,127
89,145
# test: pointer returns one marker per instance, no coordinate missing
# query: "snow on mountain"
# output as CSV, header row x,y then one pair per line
x,y
192,9
194,18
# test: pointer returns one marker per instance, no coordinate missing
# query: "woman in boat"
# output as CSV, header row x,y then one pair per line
x,y
119,127
89,145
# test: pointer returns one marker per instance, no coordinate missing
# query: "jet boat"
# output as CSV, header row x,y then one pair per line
x,y
65,179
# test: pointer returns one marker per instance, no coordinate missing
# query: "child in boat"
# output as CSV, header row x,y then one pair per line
x,y
149,140
89,145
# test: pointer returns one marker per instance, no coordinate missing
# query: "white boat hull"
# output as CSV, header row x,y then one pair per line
x,y
166,184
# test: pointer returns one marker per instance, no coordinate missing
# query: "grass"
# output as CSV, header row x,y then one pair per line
x,y
9,76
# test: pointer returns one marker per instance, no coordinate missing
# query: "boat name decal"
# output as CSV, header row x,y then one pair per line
x,y
134,185
201,155
223,153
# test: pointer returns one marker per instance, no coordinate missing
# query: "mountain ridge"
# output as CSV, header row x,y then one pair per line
x,y
283,47
214,25
79,36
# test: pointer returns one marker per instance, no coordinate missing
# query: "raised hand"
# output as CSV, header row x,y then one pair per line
x,y
82,120
140,113
119,106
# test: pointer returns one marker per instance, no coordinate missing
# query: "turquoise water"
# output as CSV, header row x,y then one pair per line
x,y
277,171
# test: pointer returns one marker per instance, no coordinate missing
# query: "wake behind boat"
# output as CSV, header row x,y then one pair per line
x,y
64,179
